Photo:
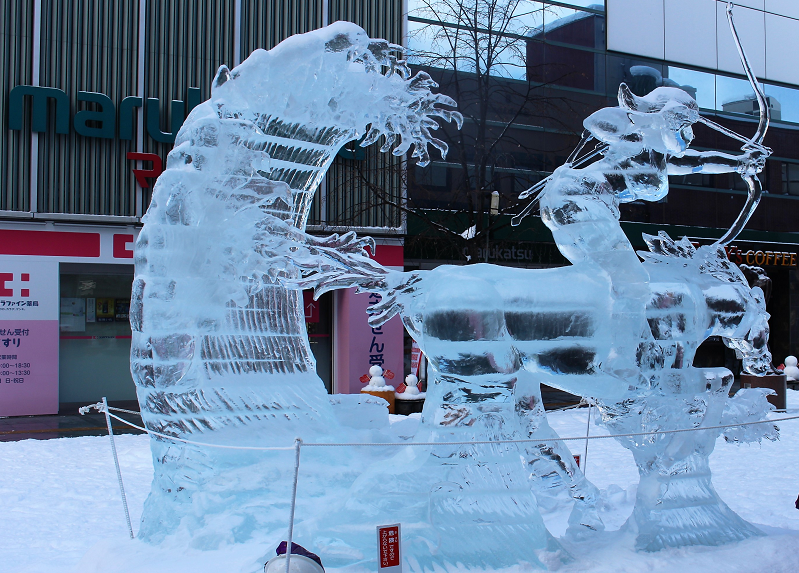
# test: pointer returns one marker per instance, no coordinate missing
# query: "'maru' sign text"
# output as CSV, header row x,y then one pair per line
x,y
99,116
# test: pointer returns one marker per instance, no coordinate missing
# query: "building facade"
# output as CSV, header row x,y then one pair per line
x,y
569,60
93,96
95,91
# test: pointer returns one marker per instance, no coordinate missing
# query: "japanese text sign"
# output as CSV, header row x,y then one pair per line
x,y
388,548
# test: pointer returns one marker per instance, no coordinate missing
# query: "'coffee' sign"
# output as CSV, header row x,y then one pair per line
x,y
761,258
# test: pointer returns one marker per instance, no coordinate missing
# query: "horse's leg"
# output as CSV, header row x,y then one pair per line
x,y
550,463
676,504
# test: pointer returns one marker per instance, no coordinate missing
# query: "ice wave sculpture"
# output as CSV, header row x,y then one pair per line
x,y
219,351
610,328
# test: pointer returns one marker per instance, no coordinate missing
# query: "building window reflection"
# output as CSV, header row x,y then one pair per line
x,y
790,179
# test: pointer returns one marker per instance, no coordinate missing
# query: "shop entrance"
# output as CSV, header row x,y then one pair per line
x,y
319,323
94,338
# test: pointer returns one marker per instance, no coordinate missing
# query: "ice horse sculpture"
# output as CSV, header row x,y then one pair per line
x,y
219,351
610,328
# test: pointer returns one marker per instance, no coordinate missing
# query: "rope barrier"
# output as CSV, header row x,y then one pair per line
x,y
125,411
484,442
204,444
298,444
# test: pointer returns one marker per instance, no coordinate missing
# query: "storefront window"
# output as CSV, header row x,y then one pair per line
x,y
94,347
790,178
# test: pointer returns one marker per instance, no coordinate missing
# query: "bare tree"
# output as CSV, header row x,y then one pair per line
x,y
477,50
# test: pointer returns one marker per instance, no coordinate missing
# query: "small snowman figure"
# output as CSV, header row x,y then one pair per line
x,y
411,385
376,377
791,371
377,386
411,400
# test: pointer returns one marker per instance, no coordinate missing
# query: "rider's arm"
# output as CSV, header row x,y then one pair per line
x,y
713,162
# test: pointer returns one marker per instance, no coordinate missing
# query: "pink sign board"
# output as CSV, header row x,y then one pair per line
x,y
28,336
358,346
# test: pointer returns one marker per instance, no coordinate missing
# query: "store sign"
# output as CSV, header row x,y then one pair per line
x,y
84,244
388,548
28,336
761,258
359,346
101,118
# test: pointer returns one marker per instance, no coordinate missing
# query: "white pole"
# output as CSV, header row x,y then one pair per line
x,y
116,462
587,432
297,446
237,33
140,76
33,200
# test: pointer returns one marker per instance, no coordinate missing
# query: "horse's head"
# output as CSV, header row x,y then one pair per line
x,y
724,304
339,79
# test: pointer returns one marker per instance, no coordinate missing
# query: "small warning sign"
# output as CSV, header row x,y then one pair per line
x,y
388,548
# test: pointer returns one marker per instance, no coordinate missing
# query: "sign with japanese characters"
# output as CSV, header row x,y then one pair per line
x,y
29,311
388,548
359,346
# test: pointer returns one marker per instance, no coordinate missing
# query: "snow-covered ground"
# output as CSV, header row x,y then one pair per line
x,y
60,508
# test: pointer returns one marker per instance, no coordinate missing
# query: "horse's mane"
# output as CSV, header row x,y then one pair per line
x,y
707,259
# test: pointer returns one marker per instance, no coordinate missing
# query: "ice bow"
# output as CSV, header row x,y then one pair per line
x,y
755,143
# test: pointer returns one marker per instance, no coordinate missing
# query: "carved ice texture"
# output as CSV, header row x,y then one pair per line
x,y
219,352
610,328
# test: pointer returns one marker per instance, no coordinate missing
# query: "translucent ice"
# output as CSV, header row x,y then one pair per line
x,y
219,351
610,328
220,355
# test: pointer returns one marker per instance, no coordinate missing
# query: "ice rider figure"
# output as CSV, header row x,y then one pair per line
x,y
641,143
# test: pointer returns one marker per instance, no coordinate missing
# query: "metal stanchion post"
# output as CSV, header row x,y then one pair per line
x,y
297,446
116,462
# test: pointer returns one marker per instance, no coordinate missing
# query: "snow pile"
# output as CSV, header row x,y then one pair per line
x,y
61,509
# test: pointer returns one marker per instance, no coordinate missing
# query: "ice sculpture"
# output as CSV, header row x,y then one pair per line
x,y
610,328
219,351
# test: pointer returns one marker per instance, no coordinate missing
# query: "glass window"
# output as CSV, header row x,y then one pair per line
x,y
784,103
701,85
563,66
448,47
94,346
591,4
640,75
734,95
520,20
790,178
574,26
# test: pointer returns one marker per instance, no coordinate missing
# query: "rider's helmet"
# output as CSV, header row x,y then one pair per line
x,y
674,109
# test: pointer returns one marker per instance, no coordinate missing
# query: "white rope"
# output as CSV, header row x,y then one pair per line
x,y
485,442
207,445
